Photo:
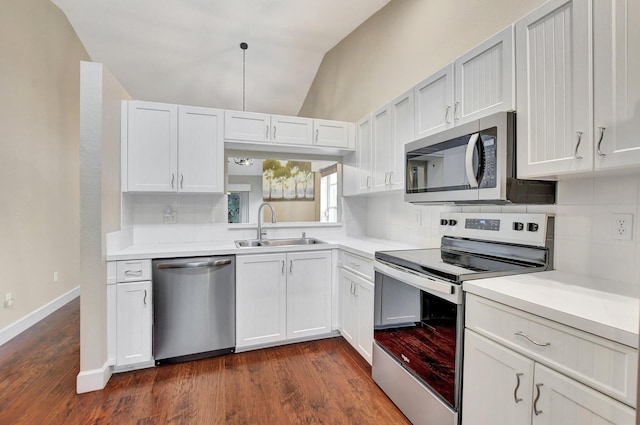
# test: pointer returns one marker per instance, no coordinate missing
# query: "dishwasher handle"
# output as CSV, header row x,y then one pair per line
x,y
194,265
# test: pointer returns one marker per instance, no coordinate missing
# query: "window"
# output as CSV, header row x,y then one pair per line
x,y
329,195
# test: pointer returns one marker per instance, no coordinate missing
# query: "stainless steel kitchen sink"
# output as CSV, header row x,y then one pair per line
x,y
277,242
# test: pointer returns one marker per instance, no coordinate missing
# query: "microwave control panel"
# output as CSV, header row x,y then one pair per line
x,y
489,178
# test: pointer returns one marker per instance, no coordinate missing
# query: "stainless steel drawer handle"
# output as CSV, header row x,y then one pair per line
x,y
539,344
290,266
274,132
194,265
266,134
446,114
282,266
576,154
455,111
181,181
133,272
535,402
317,134
173,178
515,391
600,141
145,297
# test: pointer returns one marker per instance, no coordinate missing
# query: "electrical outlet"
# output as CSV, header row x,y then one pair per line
x,y
55,277
622,227
169,215
8,300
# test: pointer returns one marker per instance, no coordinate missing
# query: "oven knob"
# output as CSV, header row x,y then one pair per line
x,y
532,227
453,222
518,226
444,222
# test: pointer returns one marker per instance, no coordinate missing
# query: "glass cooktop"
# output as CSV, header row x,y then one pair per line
x,y
476,262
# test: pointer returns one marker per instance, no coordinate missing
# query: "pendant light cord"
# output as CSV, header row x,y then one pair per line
x,y
244,46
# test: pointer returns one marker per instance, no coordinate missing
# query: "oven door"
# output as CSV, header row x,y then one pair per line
x,y
418,324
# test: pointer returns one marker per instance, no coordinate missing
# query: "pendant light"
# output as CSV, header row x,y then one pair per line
x,y
244,46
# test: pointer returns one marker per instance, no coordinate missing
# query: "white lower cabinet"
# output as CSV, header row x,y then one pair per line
x,y
356,296
282,296
504,387
134,323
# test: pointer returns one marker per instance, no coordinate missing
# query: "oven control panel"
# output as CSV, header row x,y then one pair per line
x,y
521,228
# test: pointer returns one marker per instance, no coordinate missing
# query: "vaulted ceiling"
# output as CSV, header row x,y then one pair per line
x,y
188,51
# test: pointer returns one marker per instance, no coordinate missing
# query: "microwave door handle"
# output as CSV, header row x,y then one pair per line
x,y
471,173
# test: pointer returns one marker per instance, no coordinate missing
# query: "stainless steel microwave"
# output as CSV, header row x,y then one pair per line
x,y
471,163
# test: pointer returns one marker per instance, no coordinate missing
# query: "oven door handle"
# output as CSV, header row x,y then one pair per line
x,y
446,290
471,147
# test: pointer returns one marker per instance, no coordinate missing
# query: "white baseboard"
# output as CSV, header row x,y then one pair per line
x,y
24,323
94,379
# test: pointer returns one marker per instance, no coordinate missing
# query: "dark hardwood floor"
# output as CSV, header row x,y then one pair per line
x,y
321,382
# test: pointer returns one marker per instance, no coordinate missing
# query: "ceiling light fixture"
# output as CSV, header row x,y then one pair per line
x,y
243,161
244,46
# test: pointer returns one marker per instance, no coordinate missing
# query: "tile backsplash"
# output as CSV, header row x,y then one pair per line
x,y
585,225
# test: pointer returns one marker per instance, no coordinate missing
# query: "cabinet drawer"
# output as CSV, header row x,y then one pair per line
x,y
605,365
133,270
357,264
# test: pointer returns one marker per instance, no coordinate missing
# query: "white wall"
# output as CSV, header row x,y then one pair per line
x,y
399,46
100,97
39,150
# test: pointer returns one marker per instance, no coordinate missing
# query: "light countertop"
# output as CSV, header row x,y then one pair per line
x,y
569,299
365,247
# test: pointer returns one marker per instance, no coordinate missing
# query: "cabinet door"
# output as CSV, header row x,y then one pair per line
x,y
291,130
553,60
333,134
434,103
348,308
261,299
485,79
247,126
497,384
364,295
561,400
616,73
308,293
364,153
382,147
402,128
152,147
200,150
134,321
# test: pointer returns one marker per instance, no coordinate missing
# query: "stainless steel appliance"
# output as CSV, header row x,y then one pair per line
x,y
193,308
471,163
419,308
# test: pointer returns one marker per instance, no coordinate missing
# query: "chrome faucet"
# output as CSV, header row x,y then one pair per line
x,y
262,233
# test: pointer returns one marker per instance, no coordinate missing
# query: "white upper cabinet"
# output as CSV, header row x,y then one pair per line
x,y
382,147
402,132
616,73
291,130
434,103
151,148
252,127
477,84
484,79
171,148
200,150
247,126
392,127
552,77
333,134
364,154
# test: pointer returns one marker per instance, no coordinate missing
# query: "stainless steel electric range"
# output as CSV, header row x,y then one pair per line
x,y
419,305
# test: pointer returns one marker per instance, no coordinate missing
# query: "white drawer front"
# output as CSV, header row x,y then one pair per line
x,y
133,270
357,264
605,365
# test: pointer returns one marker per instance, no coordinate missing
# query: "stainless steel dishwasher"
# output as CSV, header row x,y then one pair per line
x,y
194,308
